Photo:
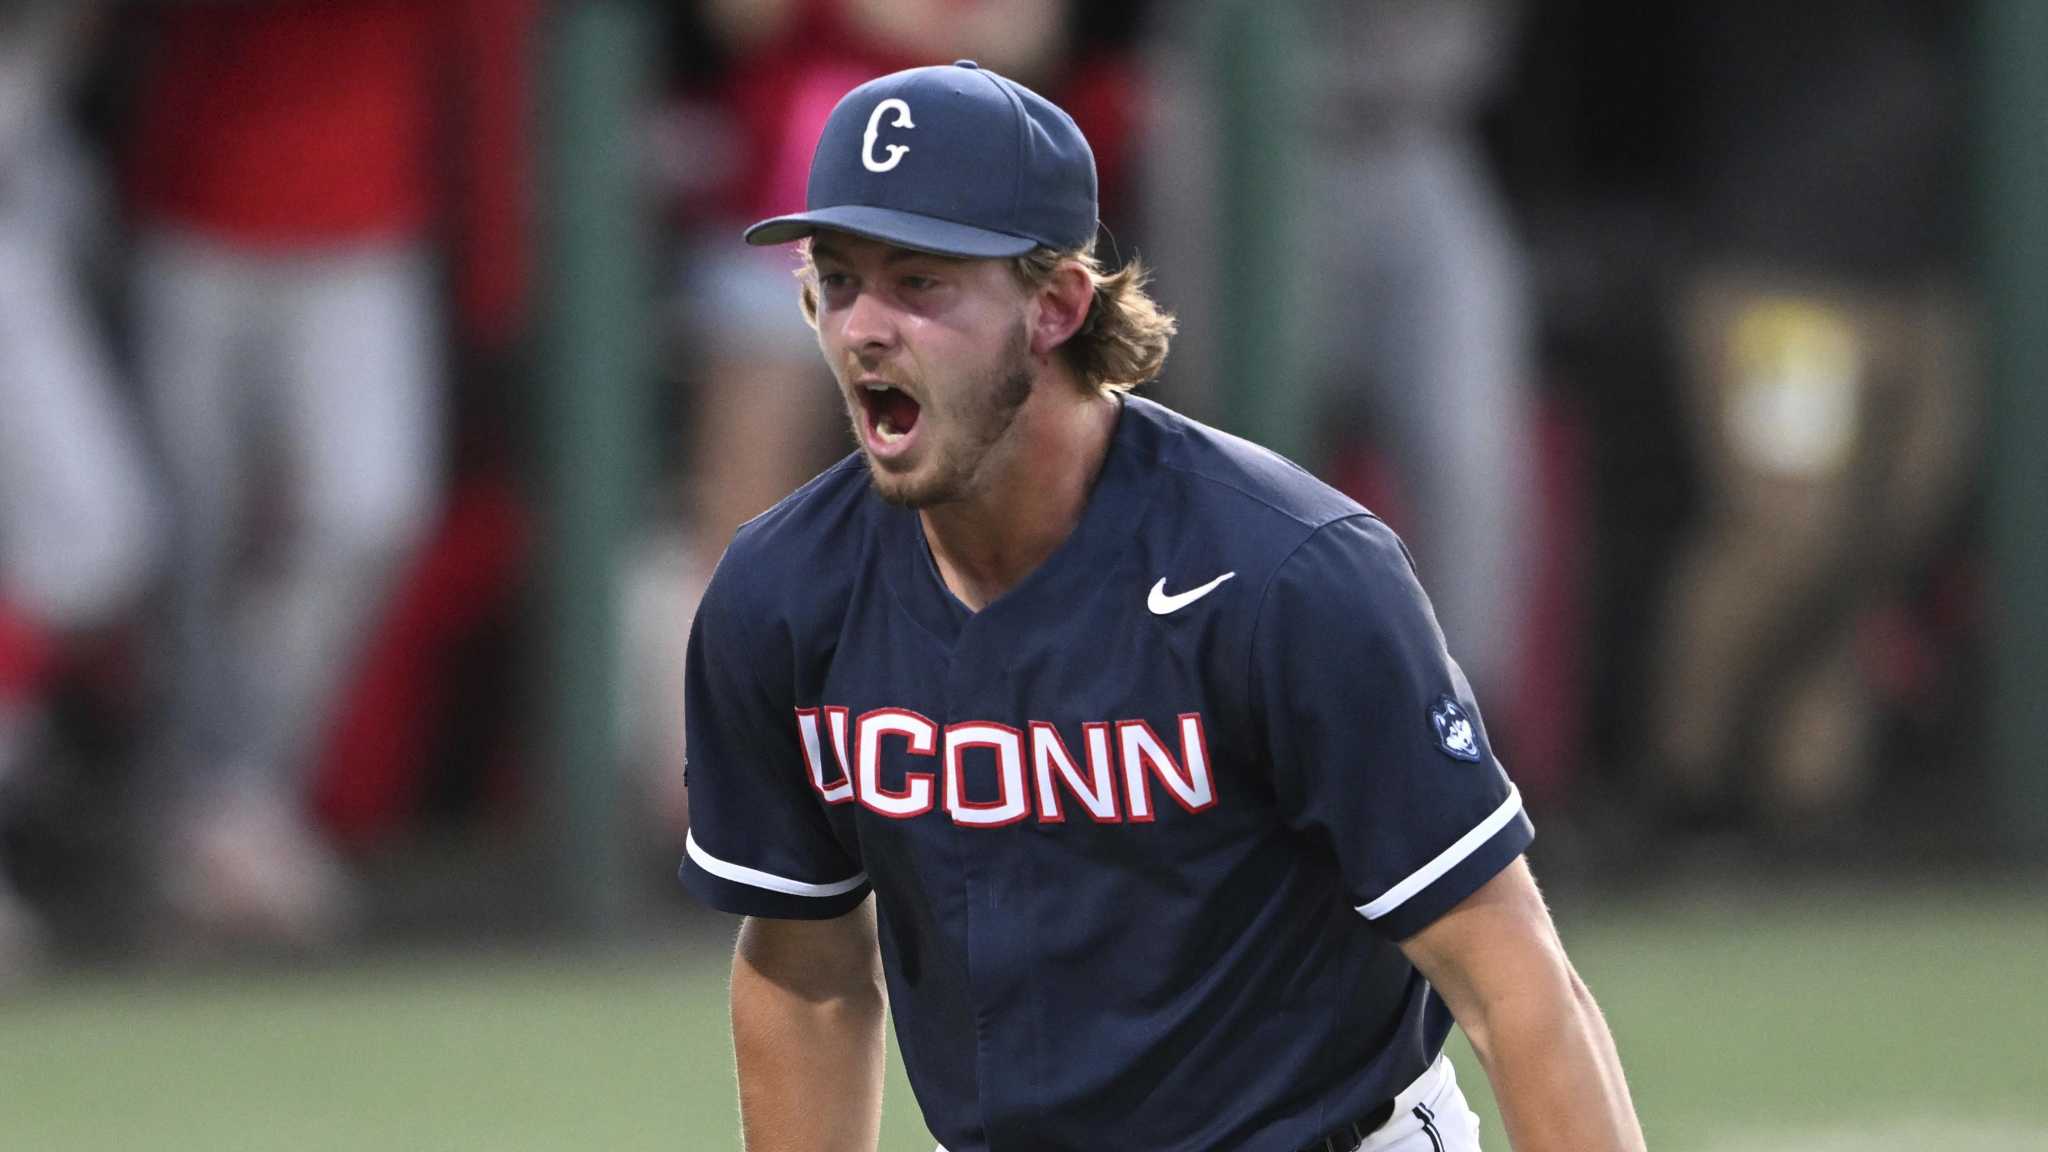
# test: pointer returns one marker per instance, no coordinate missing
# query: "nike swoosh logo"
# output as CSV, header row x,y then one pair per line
x,y
1161,604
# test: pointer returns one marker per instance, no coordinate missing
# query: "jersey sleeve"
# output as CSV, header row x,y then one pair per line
x,y
1376,743
759,842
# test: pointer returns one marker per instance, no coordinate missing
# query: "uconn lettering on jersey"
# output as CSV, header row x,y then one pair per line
x,y
1111,780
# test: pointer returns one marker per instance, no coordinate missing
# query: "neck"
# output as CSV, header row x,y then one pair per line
x,y
1034,487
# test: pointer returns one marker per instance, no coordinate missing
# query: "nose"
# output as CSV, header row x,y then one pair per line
x,y
869,326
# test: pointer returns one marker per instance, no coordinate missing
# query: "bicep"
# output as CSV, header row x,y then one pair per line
x,y
813,959
1497,944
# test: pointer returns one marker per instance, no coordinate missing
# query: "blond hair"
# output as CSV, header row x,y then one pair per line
x,y
1122,343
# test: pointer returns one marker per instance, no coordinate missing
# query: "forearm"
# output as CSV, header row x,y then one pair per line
x,y
1555,1072
810,1063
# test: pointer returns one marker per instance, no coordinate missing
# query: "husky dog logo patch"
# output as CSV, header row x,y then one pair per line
x,y
1454,732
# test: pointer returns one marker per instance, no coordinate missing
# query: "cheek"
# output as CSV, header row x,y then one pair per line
x,y
828,338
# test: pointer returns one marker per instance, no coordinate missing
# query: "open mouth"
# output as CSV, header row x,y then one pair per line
x,y
891,413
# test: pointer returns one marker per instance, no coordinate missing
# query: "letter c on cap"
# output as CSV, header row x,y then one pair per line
x,y
867,139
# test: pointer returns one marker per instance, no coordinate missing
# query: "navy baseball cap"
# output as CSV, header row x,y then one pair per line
x,y
952,159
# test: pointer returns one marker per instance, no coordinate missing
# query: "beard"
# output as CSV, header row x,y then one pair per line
x,y
962,440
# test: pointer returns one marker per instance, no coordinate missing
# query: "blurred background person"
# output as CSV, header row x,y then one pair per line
x,y
286,333
77,531
1823,351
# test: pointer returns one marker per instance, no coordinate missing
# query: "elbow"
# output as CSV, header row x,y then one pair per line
x,y
1556,1006
1481,1038
1582,999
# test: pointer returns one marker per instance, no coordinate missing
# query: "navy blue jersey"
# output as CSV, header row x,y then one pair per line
x,y
1142,832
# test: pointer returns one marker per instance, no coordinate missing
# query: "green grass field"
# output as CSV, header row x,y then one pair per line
x,y
1842,1021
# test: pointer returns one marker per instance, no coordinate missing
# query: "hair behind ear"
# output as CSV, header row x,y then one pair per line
x,y
1124,339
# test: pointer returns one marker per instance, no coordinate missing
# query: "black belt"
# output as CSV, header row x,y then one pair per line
x,y
1351,1135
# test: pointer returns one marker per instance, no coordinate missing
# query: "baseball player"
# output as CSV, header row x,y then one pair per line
x,y
1124,753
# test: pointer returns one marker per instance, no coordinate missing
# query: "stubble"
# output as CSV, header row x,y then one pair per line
x,y
987,411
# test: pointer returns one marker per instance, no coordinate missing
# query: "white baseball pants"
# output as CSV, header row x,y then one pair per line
x,y
77,534
296,399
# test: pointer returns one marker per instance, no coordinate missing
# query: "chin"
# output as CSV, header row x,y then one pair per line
x,y
901,488
917,488
894,490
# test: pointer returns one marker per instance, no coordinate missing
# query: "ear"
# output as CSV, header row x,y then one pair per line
x,y
1063,305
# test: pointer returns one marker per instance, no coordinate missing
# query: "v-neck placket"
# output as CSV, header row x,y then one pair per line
x,y
984,651
1074,570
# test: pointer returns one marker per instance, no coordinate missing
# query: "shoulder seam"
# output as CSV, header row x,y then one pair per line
x,y
1251,647
1304,521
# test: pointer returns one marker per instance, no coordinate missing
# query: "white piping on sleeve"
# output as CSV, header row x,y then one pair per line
x,y
1446,860
754,878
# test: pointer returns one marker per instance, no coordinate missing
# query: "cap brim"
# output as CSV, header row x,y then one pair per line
x,y
903,229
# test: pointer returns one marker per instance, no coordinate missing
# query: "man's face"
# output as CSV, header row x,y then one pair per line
x,y
933,360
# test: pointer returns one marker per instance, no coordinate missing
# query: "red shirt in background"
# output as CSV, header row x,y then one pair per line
x,y
288,124
781,93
